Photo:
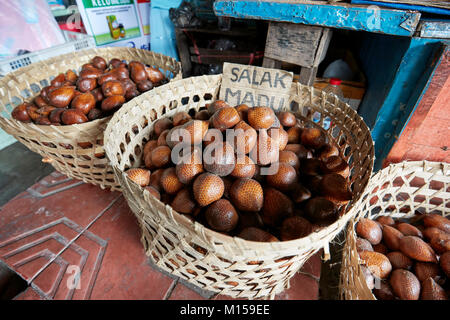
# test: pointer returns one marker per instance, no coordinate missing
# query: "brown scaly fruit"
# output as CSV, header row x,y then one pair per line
x,y
279,136
381,248
336,188
277,207
399,260
242,109
161,125
256,234
369,230
290,158
183,202
20,113
155,179
431,232
169,181
222,216
405,284
247,195
149,146
284,179
153,191
384,292
409,230
417,249
219,158
266,150
260,117
444,262
363,245
287,118
438,221
385,220
327,150
313,138
245,137
187,170
391,237
139,176
294,134
424,270
216,105
225,118
441,243
377,263
180,118
336,164
320,210
160,156
244,168
432,291
208,188
196,130
294,228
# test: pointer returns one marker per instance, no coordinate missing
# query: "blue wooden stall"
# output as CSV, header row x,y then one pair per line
x,y
400,52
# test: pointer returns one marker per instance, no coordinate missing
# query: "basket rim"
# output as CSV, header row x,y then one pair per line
x,y
88,51
280,245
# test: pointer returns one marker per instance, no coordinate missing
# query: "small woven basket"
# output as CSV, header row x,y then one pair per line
x,y
60,145
400,190
208,259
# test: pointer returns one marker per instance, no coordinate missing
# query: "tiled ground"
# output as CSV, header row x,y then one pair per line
x,y
60,228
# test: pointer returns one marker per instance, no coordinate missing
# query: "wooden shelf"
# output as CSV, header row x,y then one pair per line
x,y
234,32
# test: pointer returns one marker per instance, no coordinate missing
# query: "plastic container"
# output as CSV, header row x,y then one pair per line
x,y
74,42
333,88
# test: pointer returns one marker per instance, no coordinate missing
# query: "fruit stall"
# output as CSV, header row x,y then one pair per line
x,y
225,150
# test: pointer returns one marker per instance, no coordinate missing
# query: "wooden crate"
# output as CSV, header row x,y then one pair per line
x,y
302,45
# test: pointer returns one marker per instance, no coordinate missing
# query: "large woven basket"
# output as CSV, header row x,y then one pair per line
x,y
210,260
400,190
60,145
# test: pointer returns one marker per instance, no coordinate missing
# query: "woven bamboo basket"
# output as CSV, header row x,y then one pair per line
x,y
208,259
402,190
59,145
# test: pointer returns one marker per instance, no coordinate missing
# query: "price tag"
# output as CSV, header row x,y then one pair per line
x,y
255,86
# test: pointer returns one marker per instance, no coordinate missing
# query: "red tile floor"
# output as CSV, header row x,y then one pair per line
x,y
60,228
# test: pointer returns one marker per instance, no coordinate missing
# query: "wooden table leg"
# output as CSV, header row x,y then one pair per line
x,y
183,52
271,63
308,75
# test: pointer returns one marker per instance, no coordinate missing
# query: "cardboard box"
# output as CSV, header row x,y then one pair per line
x,y
118,23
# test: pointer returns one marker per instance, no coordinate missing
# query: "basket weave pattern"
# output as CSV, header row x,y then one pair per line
x,y
399,190
60,145
210,260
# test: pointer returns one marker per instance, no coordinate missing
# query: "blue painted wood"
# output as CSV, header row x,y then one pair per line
x,y
404,6
411,77
380,57
344,16
434,29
